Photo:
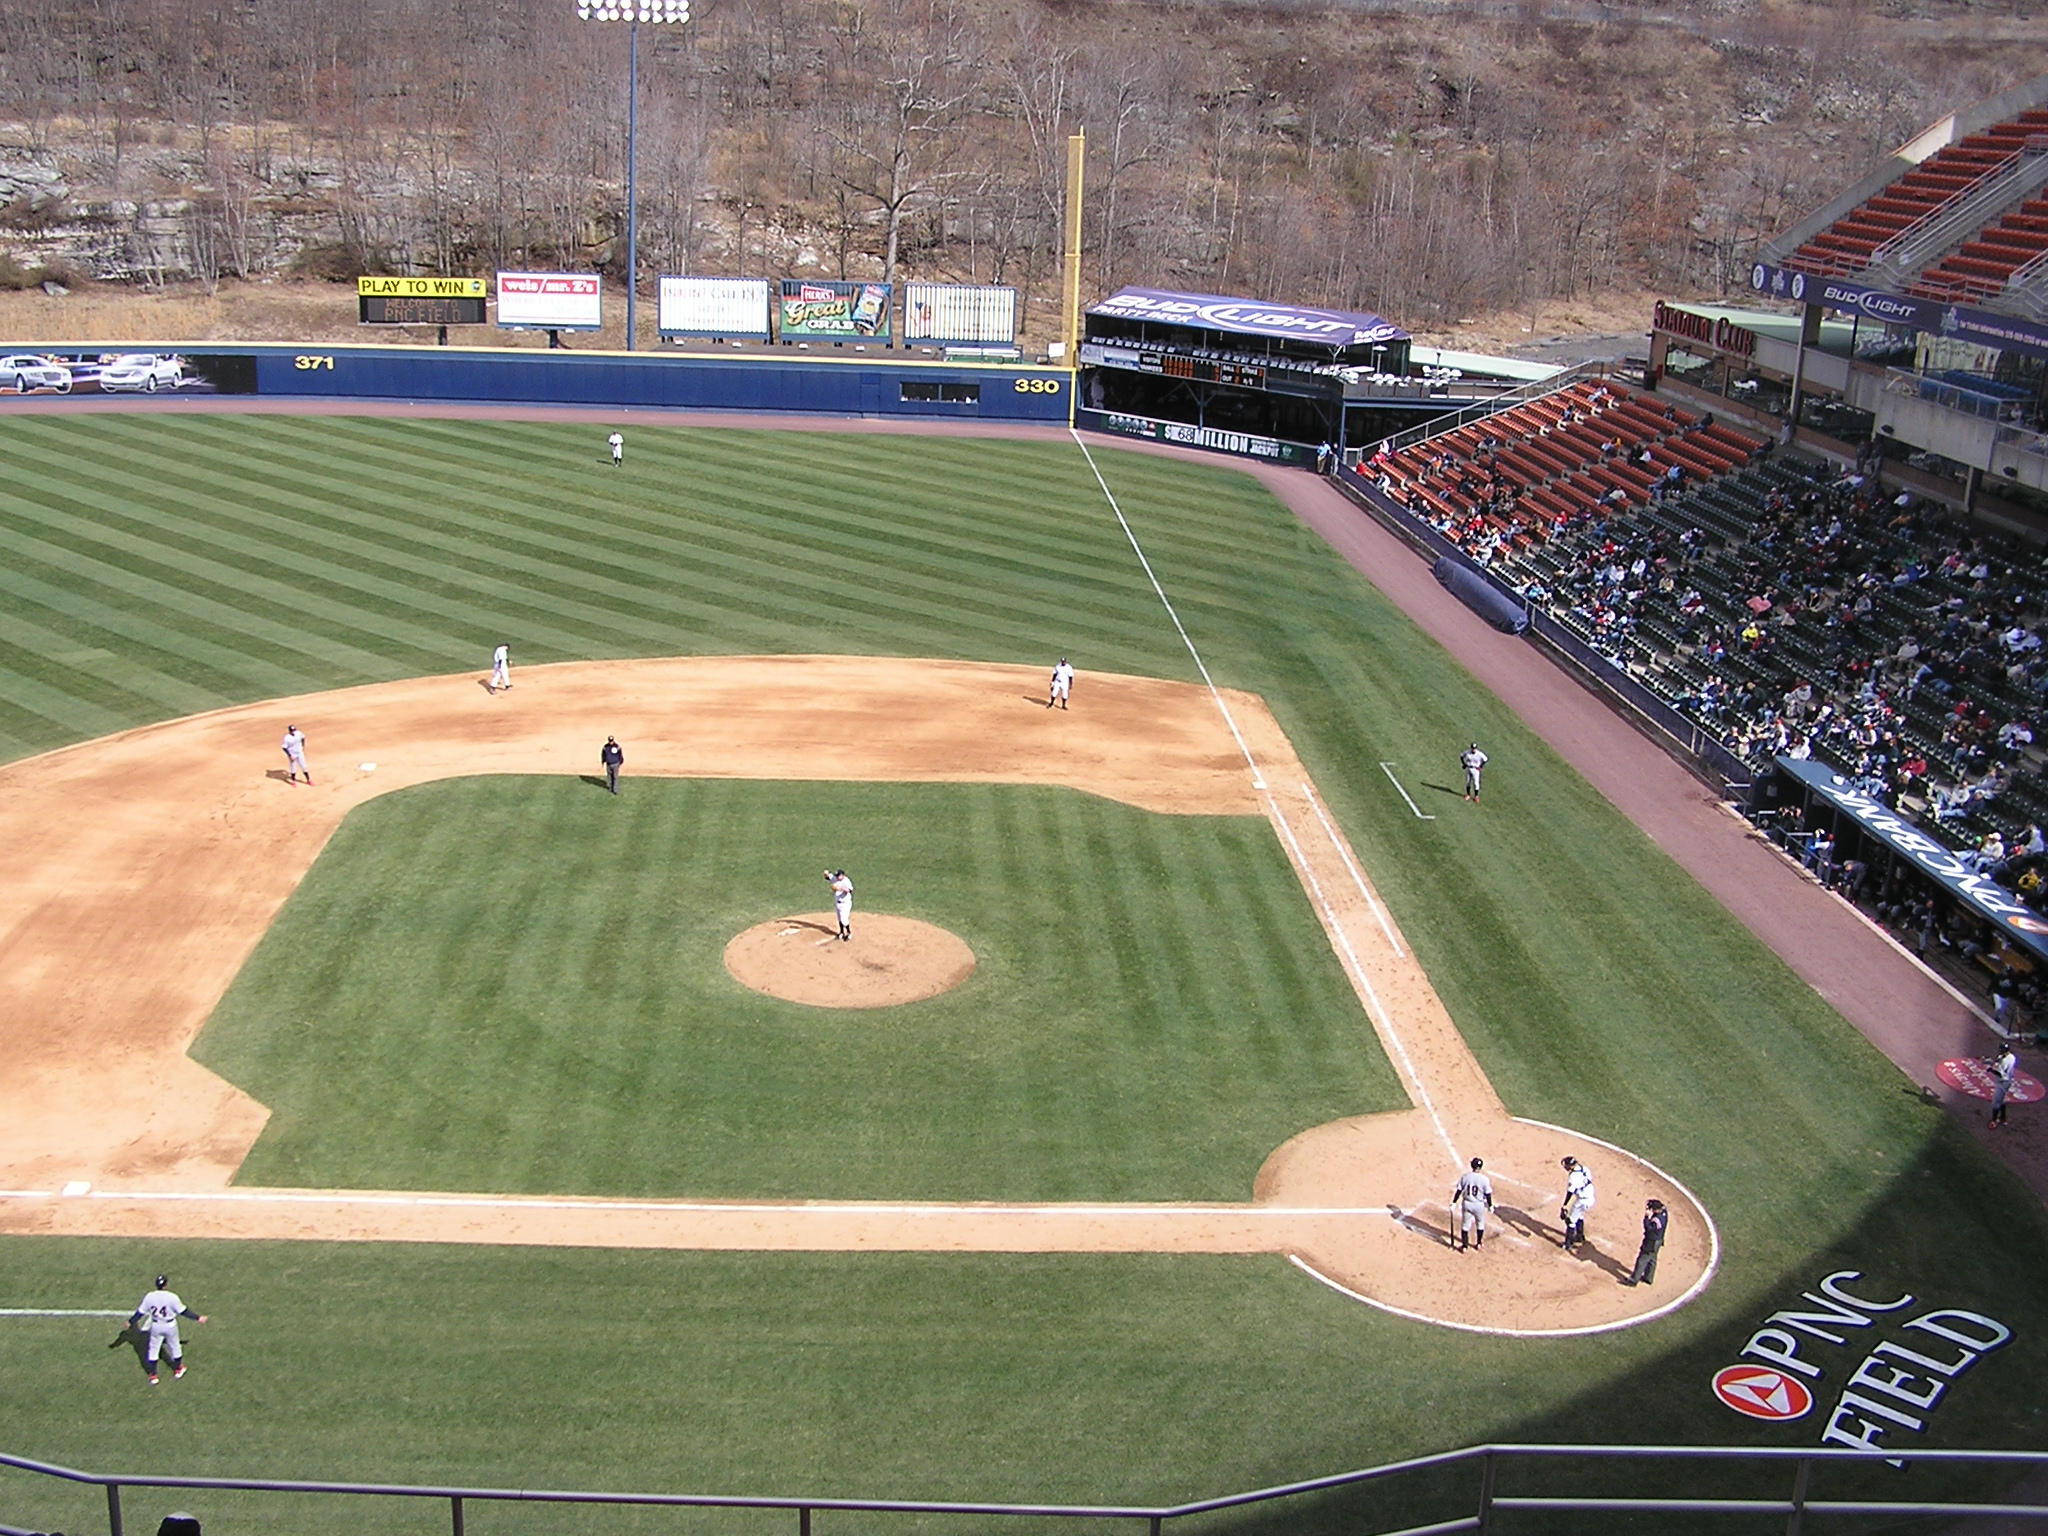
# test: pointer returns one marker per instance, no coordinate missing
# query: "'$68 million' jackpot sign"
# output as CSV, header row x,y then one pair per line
x,y
1897,1385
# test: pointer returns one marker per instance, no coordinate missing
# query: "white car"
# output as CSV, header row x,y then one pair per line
x,y
28,373
144,371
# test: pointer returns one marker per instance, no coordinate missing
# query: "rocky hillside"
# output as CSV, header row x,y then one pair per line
x,y
1433,160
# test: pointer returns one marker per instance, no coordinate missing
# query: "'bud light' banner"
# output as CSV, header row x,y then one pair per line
x,y
1930,317
827,311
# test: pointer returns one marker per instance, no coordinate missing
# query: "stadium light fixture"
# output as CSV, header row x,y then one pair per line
x,y
633,12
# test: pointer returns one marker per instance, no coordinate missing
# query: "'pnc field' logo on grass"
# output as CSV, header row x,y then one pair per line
x,y
1896,1386
1761,1392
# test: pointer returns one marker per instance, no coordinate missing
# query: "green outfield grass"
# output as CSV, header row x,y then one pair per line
x,y
155,565
517,985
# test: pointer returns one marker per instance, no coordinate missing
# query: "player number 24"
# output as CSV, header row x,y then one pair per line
x,y
303,363
1038,386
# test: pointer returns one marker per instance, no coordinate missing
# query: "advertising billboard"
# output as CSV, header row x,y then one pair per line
x,y
959,314
723,307
826,311
126,373
420,300
549,301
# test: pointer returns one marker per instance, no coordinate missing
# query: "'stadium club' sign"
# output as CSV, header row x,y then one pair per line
x,y
1722,335
1910,1361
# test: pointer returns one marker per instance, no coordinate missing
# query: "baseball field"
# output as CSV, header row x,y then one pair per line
x,y
1234,999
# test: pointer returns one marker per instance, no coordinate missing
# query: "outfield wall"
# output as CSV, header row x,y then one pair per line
x,y
759,382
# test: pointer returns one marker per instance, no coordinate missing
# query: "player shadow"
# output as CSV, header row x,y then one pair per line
x,y
815,927
1442,789
595,781
1414,1222
282,775
1034,700
485,684
136,1339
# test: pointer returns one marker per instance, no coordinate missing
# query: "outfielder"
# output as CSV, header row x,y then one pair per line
x,y
617,443
1471,1199
1578,1202
1062,685
295,755
159,1311
1472,760
501,668
842,901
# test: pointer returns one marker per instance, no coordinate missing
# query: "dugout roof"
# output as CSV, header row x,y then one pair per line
x,y
1337,329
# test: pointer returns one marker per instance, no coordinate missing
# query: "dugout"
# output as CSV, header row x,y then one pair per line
x,y
1270,371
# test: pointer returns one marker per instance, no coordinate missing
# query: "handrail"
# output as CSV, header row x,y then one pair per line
x,y
1934,228
1490,1456
1521,395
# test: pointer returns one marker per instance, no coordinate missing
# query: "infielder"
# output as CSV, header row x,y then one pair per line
x,y
842,901
613,756
1472,760
1472,1198
501,668
1578,1202
295,755
1062,685
159,1311
617,443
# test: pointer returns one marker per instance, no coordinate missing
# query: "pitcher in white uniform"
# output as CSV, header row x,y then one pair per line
x,y
842,901
501,668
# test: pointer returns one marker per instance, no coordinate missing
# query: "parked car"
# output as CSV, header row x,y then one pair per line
x,y
32,373
143,370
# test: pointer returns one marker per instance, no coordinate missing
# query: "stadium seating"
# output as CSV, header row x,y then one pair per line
x,y
1980,270
1854,242
1525,473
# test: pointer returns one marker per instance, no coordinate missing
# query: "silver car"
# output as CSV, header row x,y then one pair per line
x,y
29,373
144,371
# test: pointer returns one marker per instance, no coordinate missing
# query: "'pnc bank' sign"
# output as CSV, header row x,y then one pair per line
x,y
1722,335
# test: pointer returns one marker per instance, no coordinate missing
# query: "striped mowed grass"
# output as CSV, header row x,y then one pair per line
x,y
155,565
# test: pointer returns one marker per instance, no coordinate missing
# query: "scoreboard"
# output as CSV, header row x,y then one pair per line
x,y
420,300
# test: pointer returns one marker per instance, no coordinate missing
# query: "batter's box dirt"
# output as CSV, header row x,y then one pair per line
x,y
185,852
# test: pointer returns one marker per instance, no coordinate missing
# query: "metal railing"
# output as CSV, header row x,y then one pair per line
x,y
1944,225
1489,1462
1520,395
1955,397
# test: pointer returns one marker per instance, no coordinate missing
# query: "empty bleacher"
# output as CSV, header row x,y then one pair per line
x,y
1858,240
1519,475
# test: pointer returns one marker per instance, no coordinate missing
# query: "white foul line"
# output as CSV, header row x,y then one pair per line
x,y
1420,814
1258,779
56,1312
1386,1023
821,1208
1358,878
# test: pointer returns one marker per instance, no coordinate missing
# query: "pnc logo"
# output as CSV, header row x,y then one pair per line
x,y
1761,1392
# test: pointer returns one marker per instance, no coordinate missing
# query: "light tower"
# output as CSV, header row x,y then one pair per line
x,y
633,12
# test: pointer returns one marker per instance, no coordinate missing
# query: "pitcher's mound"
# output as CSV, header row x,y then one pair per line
x,y
889,960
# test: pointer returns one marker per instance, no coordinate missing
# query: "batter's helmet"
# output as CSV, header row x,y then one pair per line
x,y
163,1282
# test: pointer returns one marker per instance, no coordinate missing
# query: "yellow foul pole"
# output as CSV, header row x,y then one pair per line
x,y
1070,317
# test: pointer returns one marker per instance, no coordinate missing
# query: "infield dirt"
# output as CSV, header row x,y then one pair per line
x,y
149,864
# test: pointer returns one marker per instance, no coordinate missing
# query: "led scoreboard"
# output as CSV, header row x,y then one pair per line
x,y
420,300
1202,370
